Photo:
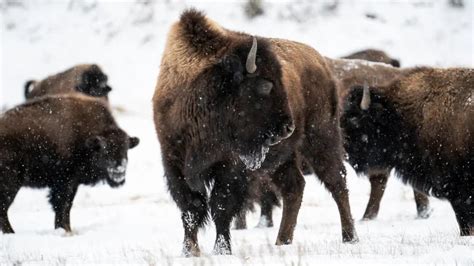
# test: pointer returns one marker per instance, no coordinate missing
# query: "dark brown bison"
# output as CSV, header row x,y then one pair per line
x,y
87,78
423,126
374,55
347,73
59,142
228,106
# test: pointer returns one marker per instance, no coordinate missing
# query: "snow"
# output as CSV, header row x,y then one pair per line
x,y
139,223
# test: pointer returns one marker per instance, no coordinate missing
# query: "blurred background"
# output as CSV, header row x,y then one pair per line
x,y
126,37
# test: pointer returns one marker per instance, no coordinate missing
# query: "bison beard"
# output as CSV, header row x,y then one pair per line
x,y
228,107
433,151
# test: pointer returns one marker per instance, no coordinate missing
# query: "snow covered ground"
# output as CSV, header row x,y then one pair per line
x,y
138,223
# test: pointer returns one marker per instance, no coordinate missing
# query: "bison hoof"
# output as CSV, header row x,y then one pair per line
x,y
222,246
280,242
369,216
425,213
191,249
264,222
350,238
7,231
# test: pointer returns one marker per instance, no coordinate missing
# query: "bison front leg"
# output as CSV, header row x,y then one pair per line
x,y
291,183
194,209
422,205
378,182
227,200
464,214
7,195
61,197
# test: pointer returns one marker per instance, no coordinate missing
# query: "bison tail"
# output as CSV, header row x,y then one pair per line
x,y
201,33
28,86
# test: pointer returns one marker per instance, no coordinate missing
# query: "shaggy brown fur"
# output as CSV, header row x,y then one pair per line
x,y
352,72
374,55
211,117
348,73
87,78
423,126
59,142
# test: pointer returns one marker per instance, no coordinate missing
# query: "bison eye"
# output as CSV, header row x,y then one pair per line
x,y
265,88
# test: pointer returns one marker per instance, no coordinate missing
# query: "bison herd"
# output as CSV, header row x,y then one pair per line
x,y
240,120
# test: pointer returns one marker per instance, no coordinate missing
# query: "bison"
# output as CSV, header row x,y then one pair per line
x,y
347,73
423,126
229,106
374,55
86,78
59,142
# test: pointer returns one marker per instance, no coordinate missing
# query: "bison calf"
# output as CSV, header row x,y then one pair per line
x,y
59,142
423,126
87,78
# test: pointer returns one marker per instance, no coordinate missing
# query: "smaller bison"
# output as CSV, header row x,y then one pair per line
x,y
87,78
351,72
423,126
59,142
374,55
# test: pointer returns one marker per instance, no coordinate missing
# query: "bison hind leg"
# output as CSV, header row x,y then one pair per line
x,y
291,183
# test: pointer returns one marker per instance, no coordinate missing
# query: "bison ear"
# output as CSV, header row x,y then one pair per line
x,y
133,142
96,143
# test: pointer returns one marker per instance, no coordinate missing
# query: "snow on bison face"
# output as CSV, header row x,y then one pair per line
x,y
108,155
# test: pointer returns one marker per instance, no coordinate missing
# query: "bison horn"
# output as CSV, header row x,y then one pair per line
x,y
365,102
250,65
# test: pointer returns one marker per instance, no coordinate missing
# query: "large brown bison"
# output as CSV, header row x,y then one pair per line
x,y
86,78
228,106
423,126
374,55
59,142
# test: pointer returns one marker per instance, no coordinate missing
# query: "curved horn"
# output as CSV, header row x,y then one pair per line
x,y
365,102
250,65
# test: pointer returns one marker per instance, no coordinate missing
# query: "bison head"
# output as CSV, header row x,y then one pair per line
x,y
107,155
370,126
94,82
251,96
